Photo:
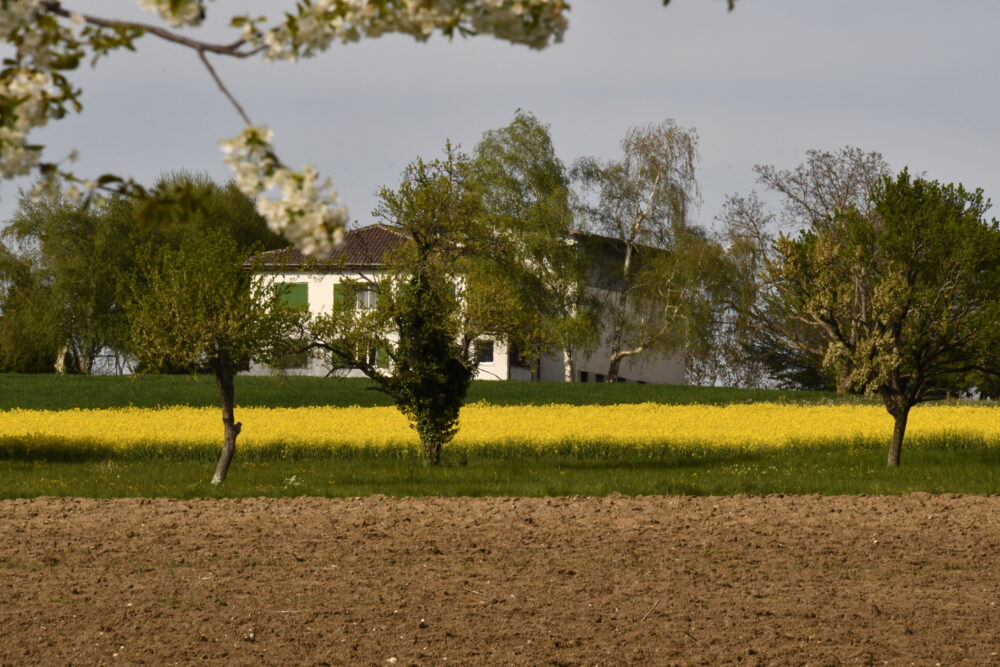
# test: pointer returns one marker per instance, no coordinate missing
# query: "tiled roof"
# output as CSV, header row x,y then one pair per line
x,y
364,247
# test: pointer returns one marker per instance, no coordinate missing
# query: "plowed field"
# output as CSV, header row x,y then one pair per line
x,y
562,581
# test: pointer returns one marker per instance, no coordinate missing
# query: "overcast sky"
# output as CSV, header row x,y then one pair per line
x,y
916,80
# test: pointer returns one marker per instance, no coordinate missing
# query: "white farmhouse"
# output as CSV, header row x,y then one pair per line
x,y
320,283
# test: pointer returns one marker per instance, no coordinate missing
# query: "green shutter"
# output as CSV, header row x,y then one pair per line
x,y
339,295
295,295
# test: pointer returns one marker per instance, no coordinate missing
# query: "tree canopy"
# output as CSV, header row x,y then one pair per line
x,y
525,206
197,306
657,262
903,296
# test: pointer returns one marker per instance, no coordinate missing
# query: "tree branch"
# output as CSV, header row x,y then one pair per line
x,y
222,87
233,49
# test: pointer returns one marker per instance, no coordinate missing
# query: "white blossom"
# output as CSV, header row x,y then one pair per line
x,y
24,97
176,14
14,14
315,26
73,194
307,213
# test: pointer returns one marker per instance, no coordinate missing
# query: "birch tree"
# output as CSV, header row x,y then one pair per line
x,y
659,261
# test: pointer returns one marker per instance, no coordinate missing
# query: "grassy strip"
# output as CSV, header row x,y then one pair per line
x,y
858,469
62,392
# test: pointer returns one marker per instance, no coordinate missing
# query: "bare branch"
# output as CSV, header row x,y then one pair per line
x,y
222,87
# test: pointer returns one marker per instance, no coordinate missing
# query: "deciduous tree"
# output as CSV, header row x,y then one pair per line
x,y
660,262
760,344
76,257
903,294
435,298
197,306
525,206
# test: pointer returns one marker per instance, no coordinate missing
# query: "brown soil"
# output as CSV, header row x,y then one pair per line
x,y
576,581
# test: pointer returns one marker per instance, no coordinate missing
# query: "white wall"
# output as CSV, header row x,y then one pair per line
x,y
647,367
320,294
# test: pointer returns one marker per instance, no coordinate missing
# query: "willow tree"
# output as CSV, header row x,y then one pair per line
x,y
525,205
197,307
656,263
904,295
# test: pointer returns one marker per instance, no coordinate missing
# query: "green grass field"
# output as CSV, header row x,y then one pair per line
x,y
855,468
800,471
60,392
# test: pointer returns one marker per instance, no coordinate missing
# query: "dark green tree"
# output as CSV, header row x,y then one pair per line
x,y
435,299
904,295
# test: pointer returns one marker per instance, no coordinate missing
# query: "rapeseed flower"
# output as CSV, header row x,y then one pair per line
x,y
648,428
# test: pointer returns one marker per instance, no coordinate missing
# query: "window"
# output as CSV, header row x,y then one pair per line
x,y
294,295
584,376
362,296
484,351
598,378
376,357
339,295
364,299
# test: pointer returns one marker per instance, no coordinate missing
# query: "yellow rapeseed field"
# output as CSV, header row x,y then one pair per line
x,y
642,428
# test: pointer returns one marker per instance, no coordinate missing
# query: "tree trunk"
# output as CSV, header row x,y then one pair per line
x,y
432,451
613,368
843,382
433,433
620,315
60,364
898,431
568,365
85,364
224,378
